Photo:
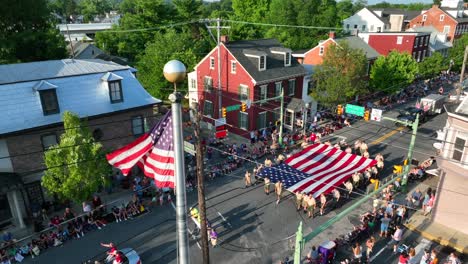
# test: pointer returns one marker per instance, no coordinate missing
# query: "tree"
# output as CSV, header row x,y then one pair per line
x,y
92,8
28,34
341,76
433,65
76,167
391,73
64,8
457,52
165,47
248,11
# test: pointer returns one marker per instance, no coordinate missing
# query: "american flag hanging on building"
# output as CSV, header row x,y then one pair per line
x,y
317,169
153,153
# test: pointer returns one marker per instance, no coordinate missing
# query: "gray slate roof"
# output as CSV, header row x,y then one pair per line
x,y
275,69
386,12
80,89
23,72
355,42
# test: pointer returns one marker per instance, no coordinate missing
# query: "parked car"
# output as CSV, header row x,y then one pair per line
x,y
409,115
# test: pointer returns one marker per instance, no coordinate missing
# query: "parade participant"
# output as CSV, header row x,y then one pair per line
x,y
357,146
112,252
299,198
195,216
278,190
336,197
267,186
248,180
349,187
323,202
363,148
213,237
369,245
357,252
311,205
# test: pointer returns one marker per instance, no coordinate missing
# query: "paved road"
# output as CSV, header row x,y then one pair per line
x,y
252,229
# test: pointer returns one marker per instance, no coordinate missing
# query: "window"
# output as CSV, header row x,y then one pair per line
x,y
424,18
262,63
355,26
278,87
49,102
243,92
458,149
276,114
416,42
424,54
291,87
399,40
115,92
421,41
347,26
321,50
441,18
414,55
243,120
138,125
97,134
208,84
363,28
212,63
419,56
263,92
287,59
379,29
233,66
427,41
208,108
49,140
261,120
446,29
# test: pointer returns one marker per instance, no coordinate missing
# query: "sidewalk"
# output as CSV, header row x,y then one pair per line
x,y
438,233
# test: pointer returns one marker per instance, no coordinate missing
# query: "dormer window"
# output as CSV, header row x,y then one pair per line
x,y
287,59
48,96
114,84
424,18
262,63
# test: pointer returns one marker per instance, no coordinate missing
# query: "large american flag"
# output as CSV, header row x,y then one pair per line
x,y
153,152
317,169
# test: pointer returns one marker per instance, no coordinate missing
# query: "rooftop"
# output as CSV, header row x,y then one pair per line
x,y
355,42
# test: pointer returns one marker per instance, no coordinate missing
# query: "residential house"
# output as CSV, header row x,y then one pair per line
x,y
251,70
415,43
35,95
379,20
438,41
86,50
447,20
451,192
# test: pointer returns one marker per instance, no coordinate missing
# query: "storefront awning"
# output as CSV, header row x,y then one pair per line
x,y
296,105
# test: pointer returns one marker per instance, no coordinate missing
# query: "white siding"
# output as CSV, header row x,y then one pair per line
x,y
364,18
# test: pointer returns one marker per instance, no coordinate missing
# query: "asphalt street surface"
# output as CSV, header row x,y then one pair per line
x,y
251,227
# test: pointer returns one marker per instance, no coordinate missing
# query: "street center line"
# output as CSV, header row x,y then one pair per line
x,y
384,137
224,219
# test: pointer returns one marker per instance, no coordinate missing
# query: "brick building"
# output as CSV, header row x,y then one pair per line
x,y
35,95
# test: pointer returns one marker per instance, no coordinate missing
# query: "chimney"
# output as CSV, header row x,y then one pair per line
x,y
224,39
332,34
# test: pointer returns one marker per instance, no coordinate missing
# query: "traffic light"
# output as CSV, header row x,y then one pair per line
x,y
339,110
223,112
243,107
397,169
367,115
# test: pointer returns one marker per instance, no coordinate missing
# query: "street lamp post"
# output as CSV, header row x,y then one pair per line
x,y
174,72
304,121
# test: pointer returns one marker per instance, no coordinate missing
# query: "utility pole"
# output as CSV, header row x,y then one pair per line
x,y
406,169
71,43
462,74
201,187
280,140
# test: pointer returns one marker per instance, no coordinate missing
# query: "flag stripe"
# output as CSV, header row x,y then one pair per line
x,y
322,157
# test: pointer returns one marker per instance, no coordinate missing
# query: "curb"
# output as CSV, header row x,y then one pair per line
x,y
444,242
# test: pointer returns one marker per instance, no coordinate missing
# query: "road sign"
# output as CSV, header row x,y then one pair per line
x,y
376,114
355,110
232,108
221,134
189,148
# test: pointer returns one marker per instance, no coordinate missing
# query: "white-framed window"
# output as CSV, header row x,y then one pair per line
x,y
278,87
48,140
427,41
138,125
287,59
424,18
115,91
49,102
446,30
262,63
416,42
212,63
379,29
421,41
208,84
233,66
355,26
424,54
243,92
399,40
243,120
442,17
419,56
321,50
263,92
262,118
291,87
208,108
458,149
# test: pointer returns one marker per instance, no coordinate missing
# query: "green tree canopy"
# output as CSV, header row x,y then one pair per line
x,y
64,8
76,167
91,8
248,11
165,47
457,52
28,34
392,72
433,65
341,76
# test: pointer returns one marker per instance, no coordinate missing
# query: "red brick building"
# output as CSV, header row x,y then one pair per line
x,y
250,71
415,43
450,21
